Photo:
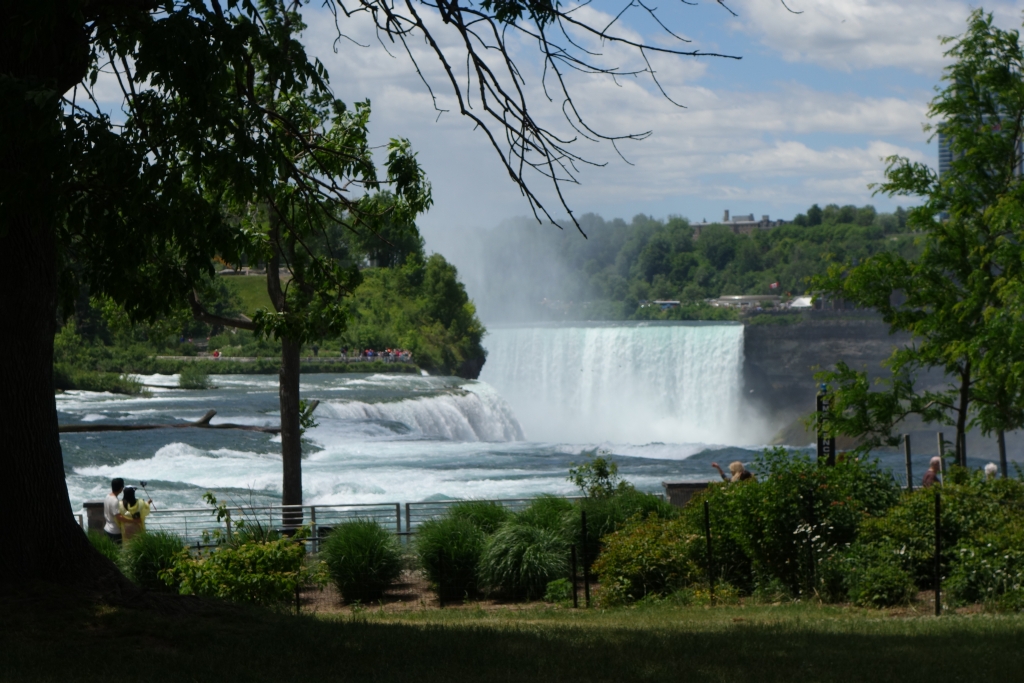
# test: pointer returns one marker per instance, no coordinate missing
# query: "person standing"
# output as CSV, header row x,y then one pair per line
x,y
111,510
931,476
133,514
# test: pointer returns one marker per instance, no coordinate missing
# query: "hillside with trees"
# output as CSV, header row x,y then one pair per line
x,y
528,271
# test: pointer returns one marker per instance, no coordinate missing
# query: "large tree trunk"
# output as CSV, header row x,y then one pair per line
x,y
291,433
41,46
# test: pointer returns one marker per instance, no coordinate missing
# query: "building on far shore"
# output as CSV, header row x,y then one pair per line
x,y
741,225
746,301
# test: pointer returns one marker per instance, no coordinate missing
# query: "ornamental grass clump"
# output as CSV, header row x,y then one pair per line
x,y
363,559
449,550
146,555
485,515
106,547
519,560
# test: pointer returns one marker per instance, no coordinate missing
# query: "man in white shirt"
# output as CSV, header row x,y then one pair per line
x,y
111,510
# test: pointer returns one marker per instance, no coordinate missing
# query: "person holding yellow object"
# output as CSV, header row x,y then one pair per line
x,y
133,513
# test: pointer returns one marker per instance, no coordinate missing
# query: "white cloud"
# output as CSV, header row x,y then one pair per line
x,y
861,34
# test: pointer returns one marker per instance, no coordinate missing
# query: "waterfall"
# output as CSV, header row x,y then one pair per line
x,y
623,383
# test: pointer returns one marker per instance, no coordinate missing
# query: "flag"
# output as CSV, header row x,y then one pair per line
x,y
774,285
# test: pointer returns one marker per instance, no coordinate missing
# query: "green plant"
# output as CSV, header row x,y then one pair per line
x,y
559,592
449,550
987,566
882,585
649,556
608,513
105,546
549,512
193,376
259,573
148,554
520,560
485,515
596,477
363,559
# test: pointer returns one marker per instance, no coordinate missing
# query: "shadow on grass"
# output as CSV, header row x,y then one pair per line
x,y
75,640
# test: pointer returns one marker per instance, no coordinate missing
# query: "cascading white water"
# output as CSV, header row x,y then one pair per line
x,y
474,413
635,383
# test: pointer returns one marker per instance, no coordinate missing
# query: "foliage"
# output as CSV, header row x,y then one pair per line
x,y
549,512
624,263
960,297
449,551
799,513
420,306
519,560
193,376
559,592
989,566
597,477
106,547
485,515
259,573
649,556
363,559
146,556
68,378
882,585
605,515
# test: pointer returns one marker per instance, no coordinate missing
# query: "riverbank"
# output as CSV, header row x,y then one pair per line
x,y
183,639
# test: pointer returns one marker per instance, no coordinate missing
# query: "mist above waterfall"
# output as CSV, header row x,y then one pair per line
x,y
624,383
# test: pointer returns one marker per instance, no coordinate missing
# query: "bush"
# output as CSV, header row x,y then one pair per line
x,y
148,554
559,592
800,513
606,514
520,560
649,556
193,376
549,512
882,585
106,547
485,515
363,559
987,567
259,573
449,551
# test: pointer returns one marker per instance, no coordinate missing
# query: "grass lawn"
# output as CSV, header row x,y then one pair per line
x,y
50,636
251,289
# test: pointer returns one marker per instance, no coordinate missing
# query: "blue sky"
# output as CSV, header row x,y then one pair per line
x,y
806,116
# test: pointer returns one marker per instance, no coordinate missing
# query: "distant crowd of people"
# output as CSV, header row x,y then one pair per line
x,y
933,475
126,517
387,355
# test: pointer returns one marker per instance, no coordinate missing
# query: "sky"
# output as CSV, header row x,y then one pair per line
x,y
807,115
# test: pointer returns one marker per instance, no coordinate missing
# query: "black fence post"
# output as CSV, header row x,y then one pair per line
x,y
707,535
575,596
586,567
1001,437
826,447
910,471
938,554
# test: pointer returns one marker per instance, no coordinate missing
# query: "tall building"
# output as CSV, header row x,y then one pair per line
x,y
945,154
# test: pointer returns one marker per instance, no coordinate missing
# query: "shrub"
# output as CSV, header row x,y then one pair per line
x,y
881,585
485,515
798,514
987,567
148,554
549,512
193,376
520,560
559,591
649,556
259,573
606,514
363,559
449,551
106,547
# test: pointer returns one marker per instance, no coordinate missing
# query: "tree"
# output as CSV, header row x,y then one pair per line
x,y
960,299
141,205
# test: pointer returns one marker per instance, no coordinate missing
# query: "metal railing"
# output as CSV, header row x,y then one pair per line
x,y
417,513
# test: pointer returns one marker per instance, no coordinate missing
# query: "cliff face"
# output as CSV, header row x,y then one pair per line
x,y
780,360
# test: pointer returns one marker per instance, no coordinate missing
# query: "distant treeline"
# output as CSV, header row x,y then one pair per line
x,y
528,271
